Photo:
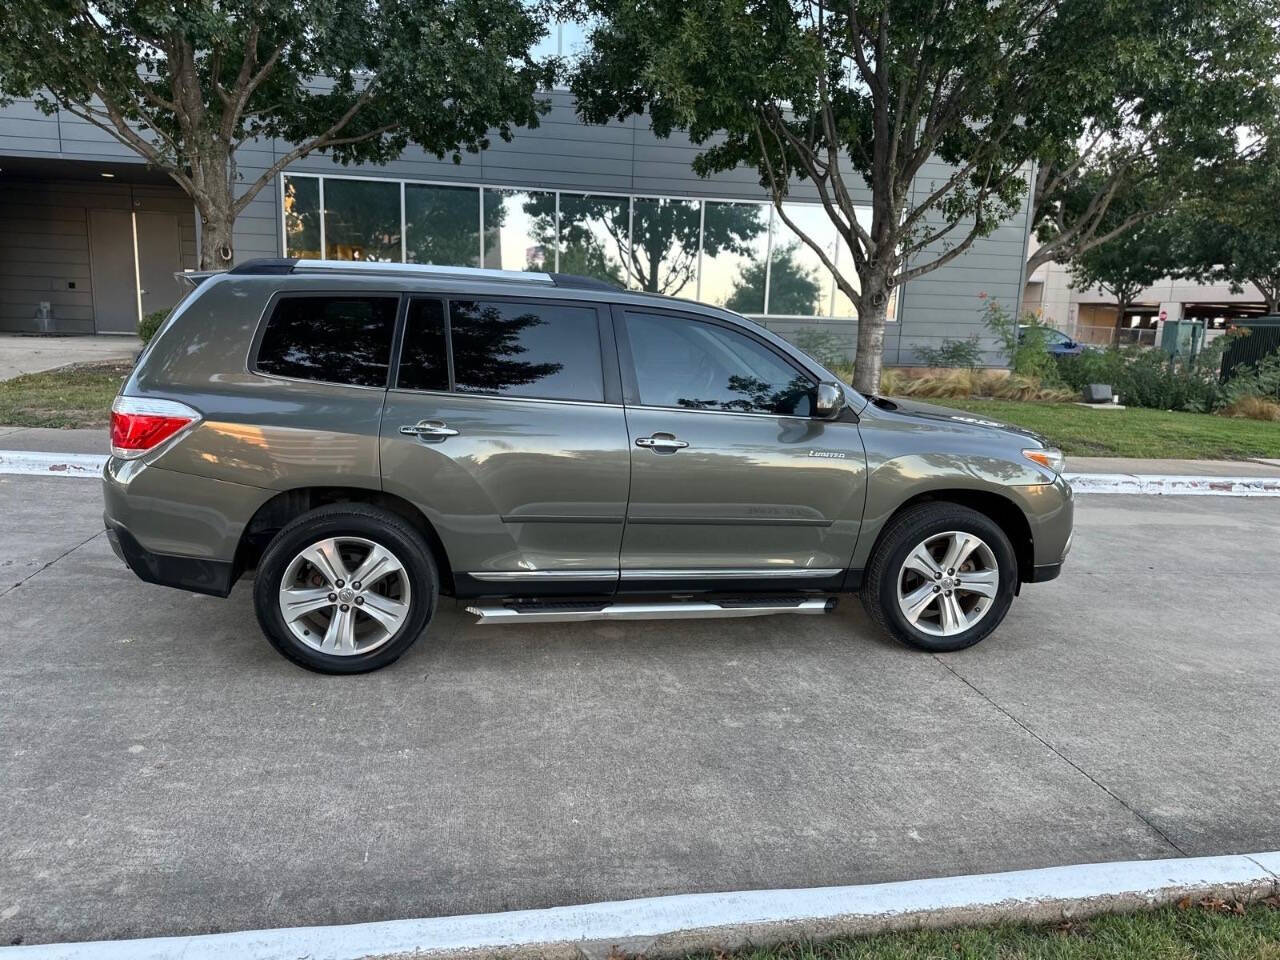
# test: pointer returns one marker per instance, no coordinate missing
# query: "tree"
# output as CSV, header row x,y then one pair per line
x,y
1128,263
1232,234
793,290
185,86
877,90
1193,99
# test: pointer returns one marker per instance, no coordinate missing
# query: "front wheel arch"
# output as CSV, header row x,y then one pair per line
x,y
1001,510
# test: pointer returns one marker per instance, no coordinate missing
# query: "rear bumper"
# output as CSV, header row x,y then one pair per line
x,y
213,577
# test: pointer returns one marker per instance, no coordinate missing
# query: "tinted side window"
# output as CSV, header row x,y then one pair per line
x,y
702,366
424,358
542,350
335,339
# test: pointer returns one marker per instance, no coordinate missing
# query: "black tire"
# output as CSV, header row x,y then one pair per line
x,y
347,520
911,528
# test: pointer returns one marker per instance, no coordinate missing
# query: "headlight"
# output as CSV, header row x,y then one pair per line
x,y
1050,457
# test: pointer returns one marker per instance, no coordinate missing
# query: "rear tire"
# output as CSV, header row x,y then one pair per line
x,y
942,577
335,622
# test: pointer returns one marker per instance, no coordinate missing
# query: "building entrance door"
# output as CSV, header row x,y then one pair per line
x,y
114,275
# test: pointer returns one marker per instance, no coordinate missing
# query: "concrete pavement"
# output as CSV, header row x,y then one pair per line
x,y
164,771
27,354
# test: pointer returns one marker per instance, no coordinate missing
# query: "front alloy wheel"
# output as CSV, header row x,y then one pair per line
x,y
941,577
948,583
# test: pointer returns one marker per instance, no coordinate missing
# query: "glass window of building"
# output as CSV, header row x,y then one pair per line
x,y
663,253
549,351
362,219
800,285
594,236
442,225
519,229
302,217
735,242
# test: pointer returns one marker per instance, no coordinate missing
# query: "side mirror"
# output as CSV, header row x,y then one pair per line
x,y
829,400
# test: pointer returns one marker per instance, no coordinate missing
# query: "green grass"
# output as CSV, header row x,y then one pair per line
x,y
1212,931
76,396
1134,432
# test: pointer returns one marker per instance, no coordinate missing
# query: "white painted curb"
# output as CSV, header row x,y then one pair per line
x,y
677,925
89,465
1154,484
52,464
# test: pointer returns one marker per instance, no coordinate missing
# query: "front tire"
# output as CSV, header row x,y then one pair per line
x,y
942,577
345,588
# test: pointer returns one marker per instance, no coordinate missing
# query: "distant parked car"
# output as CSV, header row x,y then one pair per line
x,y
1057,342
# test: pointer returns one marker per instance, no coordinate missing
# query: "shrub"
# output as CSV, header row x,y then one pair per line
x,y
1254,380
963,384
822,346
1148,377
1027,350
149,324
952,353
1253,408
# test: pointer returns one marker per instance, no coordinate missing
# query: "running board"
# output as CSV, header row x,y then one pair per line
x,y
569,612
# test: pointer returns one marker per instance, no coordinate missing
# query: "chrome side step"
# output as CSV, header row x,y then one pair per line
x,y
569,612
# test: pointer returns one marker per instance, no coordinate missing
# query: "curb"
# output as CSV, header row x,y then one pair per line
x,y
82,465
89,465
675,926
1158,485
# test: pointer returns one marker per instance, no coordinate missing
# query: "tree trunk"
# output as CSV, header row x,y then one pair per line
x,y
872,312
216,252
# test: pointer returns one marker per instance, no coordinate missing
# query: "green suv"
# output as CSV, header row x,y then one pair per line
x,y
370,437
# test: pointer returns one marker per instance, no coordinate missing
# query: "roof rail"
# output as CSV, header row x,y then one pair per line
x,y
367,267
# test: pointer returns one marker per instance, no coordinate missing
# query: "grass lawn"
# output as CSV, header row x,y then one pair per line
x,y
1134,432
76,396
1213,930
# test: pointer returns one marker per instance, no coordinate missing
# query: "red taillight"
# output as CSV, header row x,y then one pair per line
x,y
139,424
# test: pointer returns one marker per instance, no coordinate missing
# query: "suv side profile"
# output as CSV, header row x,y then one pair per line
x,y
368,438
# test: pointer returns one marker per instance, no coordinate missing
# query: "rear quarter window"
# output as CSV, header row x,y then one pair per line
x,y
330,339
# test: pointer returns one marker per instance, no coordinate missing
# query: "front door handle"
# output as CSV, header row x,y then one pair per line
x,y
429,430
661,443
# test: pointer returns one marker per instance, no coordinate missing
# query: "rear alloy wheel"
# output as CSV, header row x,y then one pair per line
x,y
345,588
345,596
942,577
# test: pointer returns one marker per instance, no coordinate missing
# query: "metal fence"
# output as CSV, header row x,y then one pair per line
x,y
1107,336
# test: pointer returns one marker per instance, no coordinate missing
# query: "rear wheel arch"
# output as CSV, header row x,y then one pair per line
x,y
1001,510
282,508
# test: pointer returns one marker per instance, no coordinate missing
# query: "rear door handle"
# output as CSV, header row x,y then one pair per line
x,y
429,430
661,443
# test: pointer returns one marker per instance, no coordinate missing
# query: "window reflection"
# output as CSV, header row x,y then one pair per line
x,y
702,366
519,229
362,220
526,349
302,217
663,254
796,259
593,236
442,225
335,339
734,245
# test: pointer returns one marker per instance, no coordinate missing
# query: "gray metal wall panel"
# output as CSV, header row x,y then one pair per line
x,y
618,157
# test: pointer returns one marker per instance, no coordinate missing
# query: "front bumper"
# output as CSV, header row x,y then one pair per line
x,y
212,577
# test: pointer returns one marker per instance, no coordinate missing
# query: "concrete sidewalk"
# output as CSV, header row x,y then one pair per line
x,y
1174,468
19,354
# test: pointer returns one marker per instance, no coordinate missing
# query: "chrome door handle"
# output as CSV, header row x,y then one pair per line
x,y
661,443
429,430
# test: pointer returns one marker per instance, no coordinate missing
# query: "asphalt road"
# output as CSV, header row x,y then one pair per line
x,y
162,770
